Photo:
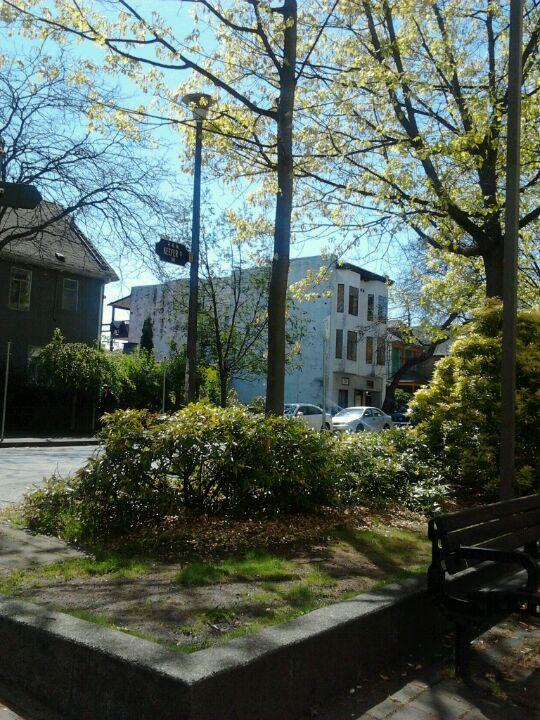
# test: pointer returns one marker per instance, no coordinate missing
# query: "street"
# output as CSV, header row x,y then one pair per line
x,y
22,468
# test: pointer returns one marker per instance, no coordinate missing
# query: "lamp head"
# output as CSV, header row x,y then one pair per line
x,y
199,104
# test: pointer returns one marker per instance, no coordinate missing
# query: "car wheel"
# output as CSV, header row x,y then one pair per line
x,y
386,427
326,426
359,428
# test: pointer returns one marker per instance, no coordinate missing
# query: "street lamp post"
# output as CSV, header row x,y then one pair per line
x,y
511,238
199,104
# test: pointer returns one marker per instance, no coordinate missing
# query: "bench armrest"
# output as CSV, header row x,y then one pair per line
x,y
516,557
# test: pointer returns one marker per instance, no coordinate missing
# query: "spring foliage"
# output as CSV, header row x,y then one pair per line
x,y
458,413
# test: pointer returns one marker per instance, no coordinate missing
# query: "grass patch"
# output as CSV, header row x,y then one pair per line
x,y
391,549
14,517
253,566
64,570
299,595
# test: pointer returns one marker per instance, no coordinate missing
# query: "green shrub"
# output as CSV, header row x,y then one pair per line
x,y
50,508
228,459
382,468
210,459
457,415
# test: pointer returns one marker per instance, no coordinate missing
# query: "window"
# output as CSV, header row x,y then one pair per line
x,y
353,301
382,308
352,343
369,350
370,306
341,297
339,344
381,351
70,294
377,413
20,284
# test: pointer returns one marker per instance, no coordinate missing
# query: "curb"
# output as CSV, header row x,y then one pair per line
x,y
86,671
22,443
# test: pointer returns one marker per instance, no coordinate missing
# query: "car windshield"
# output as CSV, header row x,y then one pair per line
x,y
349,411
289,409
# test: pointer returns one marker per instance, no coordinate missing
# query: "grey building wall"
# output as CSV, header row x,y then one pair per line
x,y
165,305
364,383
34,327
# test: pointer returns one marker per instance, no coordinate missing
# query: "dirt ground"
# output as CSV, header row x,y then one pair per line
x,y
191,605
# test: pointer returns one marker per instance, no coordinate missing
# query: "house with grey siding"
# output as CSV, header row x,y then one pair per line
x,y
53,279
344,317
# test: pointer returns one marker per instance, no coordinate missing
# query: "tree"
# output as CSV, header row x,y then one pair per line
x,y
75,369
256,66
234,314
102,177
147,336
414,117
457,414
434,293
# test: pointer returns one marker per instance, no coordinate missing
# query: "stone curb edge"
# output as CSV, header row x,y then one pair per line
x,y
89,672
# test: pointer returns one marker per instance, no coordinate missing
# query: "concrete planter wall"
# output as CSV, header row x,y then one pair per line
x,y
88,672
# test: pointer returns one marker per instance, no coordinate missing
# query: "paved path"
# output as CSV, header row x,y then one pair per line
x,y
20,550
22,468
505,685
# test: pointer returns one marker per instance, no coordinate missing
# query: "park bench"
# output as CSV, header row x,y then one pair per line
x,y
485,565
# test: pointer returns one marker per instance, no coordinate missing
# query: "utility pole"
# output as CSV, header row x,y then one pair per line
x,y
199,104
4,404
511,239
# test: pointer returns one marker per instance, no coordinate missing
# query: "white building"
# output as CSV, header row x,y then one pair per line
x,y
345,333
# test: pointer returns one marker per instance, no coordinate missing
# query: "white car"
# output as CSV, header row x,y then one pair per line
x,y
310,415
360,419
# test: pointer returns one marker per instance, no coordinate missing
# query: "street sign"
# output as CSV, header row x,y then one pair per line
x,y
172,252
18,195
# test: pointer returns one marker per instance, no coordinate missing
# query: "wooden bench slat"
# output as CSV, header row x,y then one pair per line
x,y
491,530
474,516
512,541
473,584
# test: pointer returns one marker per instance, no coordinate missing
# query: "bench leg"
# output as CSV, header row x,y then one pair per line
x,y
462,652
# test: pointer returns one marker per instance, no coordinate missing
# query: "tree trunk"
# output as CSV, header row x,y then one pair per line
x,y
493,265
277,293
223,388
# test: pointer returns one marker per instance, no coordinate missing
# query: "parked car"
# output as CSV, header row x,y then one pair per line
x,y
360,419
310,415
400,419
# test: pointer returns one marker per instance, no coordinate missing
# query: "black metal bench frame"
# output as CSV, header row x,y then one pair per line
x,y
474,552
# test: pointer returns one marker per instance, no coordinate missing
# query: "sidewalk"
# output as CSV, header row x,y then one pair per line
x,y
20,550
16,442
505,684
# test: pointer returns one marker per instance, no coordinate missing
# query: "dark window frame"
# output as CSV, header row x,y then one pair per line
x,y
66,306
17,305
340,300
339,344
381,351
353,300
369,351
382,308
352,345
370,307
